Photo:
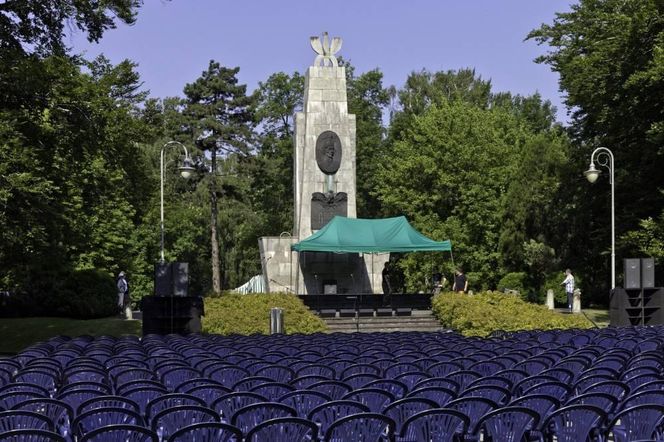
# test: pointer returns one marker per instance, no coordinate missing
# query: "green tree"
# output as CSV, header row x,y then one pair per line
x,y
220,120
37,25
367,99
610,58
271,171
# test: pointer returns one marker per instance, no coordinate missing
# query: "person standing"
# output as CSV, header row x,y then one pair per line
x,y
123,290
569,288
387,287
460,281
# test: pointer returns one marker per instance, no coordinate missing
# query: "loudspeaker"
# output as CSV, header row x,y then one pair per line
x,y
647,273
632,273
163,279
164,315
180,272
171,279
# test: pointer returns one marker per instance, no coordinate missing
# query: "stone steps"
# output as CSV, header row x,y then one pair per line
x,y
419,321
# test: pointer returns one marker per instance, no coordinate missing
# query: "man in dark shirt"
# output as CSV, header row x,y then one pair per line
x,y
460,281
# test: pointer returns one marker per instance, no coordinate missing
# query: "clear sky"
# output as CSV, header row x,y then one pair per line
x,y
173,41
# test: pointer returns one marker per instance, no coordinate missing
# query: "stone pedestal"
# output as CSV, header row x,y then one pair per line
x,y
549,299
576,303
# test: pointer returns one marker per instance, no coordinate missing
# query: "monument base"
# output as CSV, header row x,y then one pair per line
x,y
318,273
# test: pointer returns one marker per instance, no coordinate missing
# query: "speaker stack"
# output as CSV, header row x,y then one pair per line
x,y
170,309
639,302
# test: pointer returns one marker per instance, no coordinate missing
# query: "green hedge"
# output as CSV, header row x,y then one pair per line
x,y
79,294
483,313
249,314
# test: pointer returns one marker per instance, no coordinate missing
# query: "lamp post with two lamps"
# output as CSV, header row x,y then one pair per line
x,y
604,158
186,170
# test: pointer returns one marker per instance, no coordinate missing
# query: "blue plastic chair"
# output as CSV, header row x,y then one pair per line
x,y
399,411
575,423
176,376
556,389
316,370
229,376
76,397
228,404
168,421
638,422
411,378
143,395
324,415
439,395
120,433
496,393
60,413
208,393
23,419
507,424
374,398
277,373
604,401
171,400
361,427
397,388
189,384
542,404
334,389
36,376
86,385
31,435
473,407
643,397
303,401
492,380
439,382
24,387
207,431
440,424
108,401
248,417
283,429
617,389
85,375
101,417
273,390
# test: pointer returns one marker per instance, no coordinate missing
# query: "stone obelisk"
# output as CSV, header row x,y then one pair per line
x,y
324,186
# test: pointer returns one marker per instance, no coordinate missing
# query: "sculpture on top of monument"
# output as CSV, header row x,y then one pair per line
x,y
326,50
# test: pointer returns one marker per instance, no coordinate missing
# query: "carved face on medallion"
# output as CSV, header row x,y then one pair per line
x,y
328,152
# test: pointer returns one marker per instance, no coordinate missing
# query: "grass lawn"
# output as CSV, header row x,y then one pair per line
x,y
598,316
18,333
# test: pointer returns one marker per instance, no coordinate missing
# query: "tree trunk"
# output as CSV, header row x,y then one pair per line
x,y
214,238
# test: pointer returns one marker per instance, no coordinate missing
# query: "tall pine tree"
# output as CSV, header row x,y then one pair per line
x,y
220,119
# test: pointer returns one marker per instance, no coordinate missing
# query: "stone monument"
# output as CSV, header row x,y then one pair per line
x,y
324,186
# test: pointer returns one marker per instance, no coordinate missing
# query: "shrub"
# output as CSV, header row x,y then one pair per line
x,y
80,294
483,313
513,281
87,294
248,314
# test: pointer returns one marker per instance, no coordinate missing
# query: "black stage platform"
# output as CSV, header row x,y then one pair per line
x,y
330,305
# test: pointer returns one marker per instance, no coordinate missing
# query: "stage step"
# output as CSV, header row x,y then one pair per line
x,y
419,320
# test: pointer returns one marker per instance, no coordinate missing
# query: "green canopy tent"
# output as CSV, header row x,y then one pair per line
x,y
356,235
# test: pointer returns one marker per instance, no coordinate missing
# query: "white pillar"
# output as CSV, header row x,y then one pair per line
x,y
576,303
549,299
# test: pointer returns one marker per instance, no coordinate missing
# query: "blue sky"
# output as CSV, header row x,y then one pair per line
x,y
173,41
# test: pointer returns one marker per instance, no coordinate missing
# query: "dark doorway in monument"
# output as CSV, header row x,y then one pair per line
x,y
328,273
